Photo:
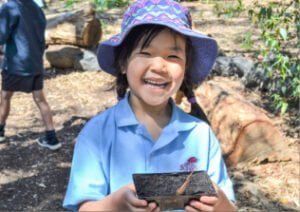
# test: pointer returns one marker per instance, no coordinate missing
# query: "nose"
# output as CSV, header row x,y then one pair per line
x,y
158,65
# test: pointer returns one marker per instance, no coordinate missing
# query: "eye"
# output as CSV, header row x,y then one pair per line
x,y
173,56
145,53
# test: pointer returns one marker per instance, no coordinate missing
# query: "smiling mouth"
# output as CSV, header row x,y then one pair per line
x,y
156,84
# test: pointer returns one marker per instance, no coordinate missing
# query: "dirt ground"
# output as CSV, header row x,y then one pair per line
x,y
35,179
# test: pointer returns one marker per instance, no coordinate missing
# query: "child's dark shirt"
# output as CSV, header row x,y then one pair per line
x,y
22,28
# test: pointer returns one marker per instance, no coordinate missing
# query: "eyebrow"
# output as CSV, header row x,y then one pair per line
x,y
177,49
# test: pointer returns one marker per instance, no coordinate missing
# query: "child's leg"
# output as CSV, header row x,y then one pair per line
x,y
4,111
5,105
44,108
49,139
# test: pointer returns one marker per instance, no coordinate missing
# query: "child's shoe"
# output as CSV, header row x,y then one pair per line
x,y
2,137
49,140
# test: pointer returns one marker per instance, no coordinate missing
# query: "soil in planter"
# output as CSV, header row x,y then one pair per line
x,y
163,188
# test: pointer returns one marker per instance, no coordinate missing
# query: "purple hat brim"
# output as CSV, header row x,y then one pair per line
x,y
205,50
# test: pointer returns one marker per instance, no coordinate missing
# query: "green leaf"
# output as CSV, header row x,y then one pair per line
x,y
283,33
273,44
283,89
284,107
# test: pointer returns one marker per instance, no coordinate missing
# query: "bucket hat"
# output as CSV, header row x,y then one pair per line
x,y
172,15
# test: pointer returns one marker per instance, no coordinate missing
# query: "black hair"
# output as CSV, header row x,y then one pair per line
x,y
143,35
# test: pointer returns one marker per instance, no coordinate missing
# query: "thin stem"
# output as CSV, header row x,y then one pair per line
x,y
185,184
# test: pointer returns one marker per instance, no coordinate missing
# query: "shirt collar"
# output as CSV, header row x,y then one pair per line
x,y
124,113
180,121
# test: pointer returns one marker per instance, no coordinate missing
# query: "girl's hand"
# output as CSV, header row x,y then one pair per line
x,y
126,200
212,204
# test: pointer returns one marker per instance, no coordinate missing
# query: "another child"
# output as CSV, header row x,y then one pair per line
x,y
155,55
22,28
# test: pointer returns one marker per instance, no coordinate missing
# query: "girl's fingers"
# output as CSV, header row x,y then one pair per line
x,y
189,208
152,207
136,204
209,200
200,206
157,209
132,199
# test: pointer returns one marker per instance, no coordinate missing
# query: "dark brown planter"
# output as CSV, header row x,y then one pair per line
x,y
161,188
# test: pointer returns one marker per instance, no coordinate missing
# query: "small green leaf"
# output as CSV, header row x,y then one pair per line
x,y
284,107
283,89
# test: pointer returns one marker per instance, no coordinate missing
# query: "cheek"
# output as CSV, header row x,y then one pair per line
x,y
179,72
134,66
180,80
133,75
180,77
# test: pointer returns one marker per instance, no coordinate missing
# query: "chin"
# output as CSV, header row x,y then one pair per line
x,y
155,101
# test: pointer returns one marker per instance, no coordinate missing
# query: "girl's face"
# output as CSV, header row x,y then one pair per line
x,y
156,72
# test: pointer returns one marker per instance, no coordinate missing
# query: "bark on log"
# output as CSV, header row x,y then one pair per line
x,y
245,131
79,28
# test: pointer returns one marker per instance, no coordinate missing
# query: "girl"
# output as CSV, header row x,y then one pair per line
x,y
155,55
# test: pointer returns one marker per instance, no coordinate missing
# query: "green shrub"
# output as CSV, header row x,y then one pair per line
x,y
101,4
108,4
280,30
247,42
229,10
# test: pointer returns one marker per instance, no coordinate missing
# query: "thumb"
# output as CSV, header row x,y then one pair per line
x,y
131,187
216,187
133,199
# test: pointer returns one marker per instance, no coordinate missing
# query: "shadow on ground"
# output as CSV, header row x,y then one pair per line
x,y
33,178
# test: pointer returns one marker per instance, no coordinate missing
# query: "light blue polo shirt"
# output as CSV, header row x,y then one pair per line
x,y
113,145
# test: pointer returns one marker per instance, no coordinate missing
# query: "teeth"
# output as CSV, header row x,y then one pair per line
x,y
155,83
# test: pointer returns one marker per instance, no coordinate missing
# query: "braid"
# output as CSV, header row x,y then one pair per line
x,y
122,85
187,85
196,110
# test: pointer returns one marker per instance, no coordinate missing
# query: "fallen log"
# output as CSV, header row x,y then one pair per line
x,y
244,130
79,28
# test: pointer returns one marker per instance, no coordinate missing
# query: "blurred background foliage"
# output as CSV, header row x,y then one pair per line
x,y
100,4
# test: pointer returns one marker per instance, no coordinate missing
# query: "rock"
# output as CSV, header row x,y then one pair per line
x,y
72,57
63,56
222,66
241,66
232,66
87,62
253,78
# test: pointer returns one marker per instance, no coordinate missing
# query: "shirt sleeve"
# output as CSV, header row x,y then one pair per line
x,y
217,168
87,180
7,22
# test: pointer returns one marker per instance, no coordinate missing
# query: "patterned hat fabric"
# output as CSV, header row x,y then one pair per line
x,y
172,15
